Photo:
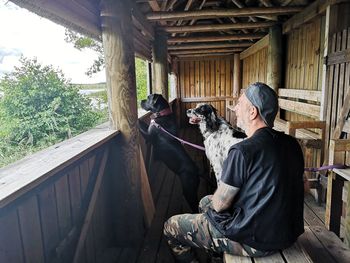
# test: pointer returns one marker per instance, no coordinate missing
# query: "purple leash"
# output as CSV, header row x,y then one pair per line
x,y
179,139
326,167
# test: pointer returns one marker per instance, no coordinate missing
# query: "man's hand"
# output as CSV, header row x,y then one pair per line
x,y
223,196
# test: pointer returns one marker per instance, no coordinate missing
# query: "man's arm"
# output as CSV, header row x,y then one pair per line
x,y
223,196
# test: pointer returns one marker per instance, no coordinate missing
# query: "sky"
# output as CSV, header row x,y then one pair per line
x,y
27,34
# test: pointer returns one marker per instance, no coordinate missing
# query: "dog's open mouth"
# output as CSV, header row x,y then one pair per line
x,y
194,120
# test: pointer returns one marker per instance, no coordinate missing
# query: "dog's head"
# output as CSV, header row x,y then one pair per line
x,y
154,103
204,113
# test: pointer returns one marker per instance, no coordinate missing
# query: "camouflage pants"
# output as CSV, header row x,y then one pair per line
x,y
187,231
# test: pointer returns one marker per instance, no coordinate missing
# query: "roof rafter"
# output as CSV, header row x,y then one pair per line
x,y
210,45
214,28
214,38
207,14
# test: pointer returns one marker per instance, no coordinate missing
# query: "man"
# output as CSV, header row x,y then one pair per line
x,y
258,206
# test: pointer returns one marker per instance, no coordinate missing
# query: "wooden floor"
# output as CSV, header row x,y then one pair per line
x,y
168,199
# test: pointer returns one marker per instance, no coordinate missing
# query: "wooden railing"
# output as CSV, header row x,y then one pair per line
x,y
58,205
45,199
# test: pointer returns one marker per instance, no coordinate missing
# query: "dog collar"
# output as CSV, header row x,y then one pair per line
x,y
161,113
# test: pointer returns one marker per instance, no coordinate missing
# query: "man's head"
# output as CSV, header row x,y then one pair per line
x,y
257,106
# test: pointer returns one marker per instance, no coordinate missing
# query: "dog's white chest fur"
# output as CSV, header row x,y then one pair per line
x,y
217,145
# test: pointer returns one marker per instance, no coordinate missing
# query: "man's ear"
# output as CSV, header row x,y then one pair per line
x,y
254,112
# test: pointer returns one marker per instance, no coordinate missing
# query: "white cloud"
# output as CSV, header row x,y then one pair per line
x,y
26,33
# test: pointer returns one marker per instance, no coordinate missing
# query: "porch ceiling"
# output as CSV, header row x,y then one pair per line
x,y
230,25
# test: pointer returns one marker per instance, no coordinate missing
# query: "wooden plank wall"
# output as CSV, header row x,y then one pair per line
x,y
304,59
42,226
255,67
208,80
338,82
339,86
303,70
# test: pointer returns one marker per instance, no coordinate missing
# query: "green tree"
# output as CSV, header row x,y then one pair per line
x,y
141,79
40,107
81,42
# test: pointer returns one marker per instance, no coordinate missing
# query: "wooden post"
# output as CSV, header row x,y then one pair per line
x,y
274,64
160,64
237,75
121,87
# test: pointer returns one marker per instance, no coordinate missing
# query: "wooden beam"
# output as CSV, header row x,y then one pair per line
x,y
214,38
338,57
155,7
214,28
300,107
315,9
201,99
312,95
171,5
187,7
141,22
205,51
160,64
344,112
195,20
240,5
262,43
207,14
164,5
206,55
117,39
274,58
210,45
237,76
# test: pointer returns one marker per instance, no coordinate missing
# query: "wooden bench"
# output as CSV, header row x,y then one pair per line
x,y
307,104
316,245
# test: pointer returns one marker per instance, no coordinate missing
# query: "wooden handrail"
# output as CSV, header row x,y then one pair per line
x,y
26,174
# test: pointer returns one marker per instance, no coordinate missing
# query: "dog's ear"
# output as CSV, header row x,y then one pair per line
x,y
155,98
211,117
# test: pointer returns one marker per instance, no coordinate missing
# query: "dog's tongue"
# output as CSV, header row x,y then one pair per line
x,y
194,120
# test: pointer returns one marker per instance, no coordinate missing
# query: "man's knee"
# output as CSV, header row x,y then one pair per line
x,y
171,226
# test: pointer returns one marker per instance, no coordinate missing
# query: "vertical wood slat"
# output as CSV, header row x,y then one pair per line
x,y
49,221
254,67
206,78
63,205
31,234
11,250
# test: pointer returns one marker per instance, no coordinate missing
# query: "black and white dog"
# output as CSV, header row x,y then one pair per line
x,y
168,149
218,135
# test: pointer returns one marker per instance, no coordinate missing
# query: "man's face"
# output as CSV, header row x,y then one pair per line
x,y
243,112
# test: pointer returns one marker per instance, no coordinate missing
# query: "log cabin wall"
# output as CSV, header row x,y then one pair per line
x,y
207,80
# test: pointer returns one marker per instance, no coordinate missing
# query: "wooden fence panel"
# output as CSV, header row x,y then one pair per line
x,y
207,80
339,80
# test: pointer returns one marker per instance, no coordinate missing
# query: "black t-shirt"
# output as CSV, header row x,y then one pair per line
x,y
267,212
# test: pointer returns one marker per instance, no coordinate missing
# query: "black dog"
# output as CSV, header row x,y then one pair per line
x,y
168,149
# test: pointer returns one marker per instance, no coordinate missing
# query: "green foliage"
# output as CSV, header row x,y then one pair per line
x,y
141,79
40,108
81,42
